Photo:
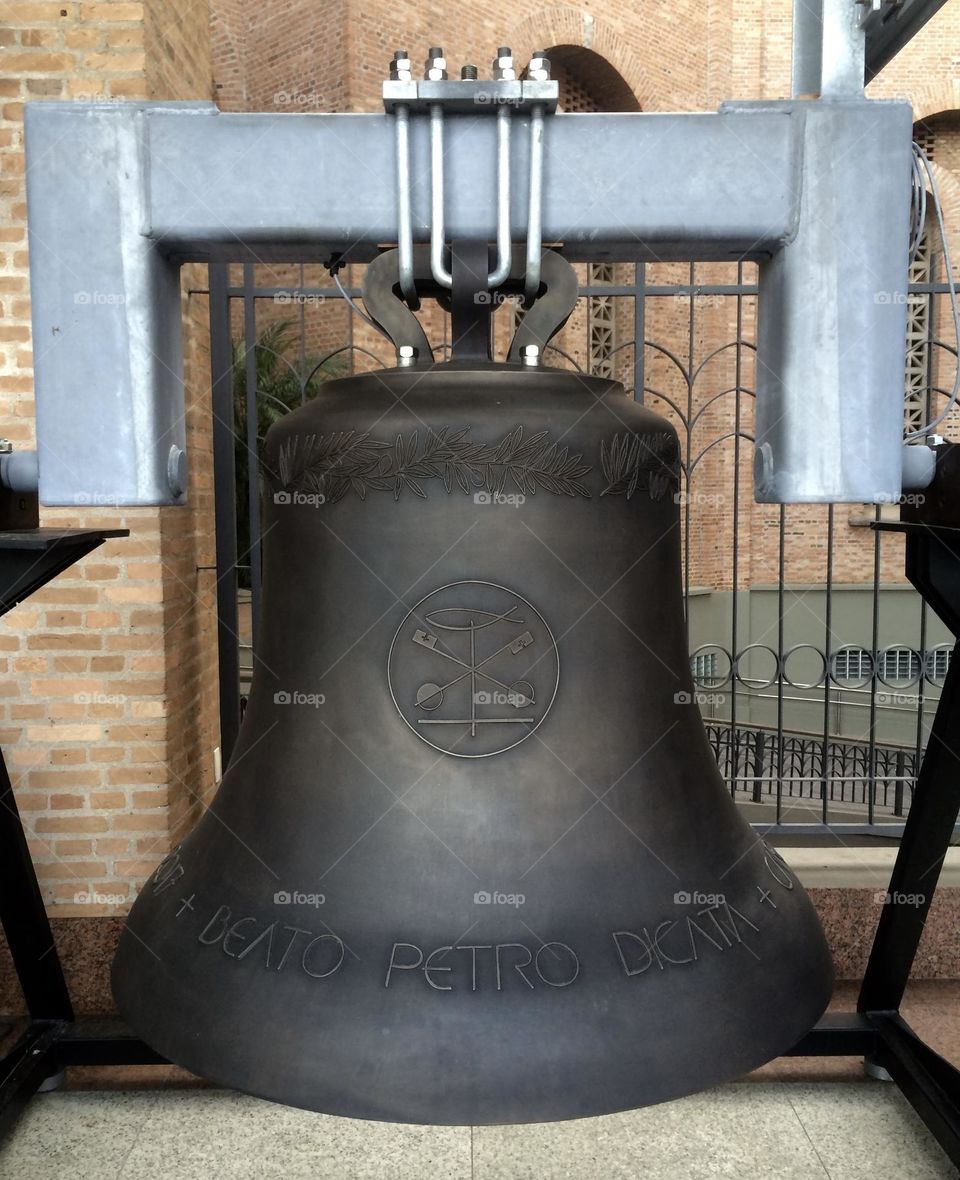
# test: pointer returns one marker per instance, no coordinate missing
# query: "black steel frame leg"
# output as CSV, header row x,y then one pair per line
x,y
929,1083
926,837
37,963
24,917
225,511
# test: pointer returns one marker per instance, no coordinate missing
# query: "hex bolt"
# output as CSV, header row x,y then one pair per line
x,y
406,356
538,69
504,69
531,355
435,69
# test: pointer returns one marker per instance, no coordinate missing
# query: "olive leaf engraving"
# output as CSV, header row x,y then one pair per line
x,y
632,460
334,464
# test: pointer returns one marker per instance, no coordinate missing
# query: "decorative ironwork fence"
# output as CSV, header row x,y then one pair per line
x,y
786,768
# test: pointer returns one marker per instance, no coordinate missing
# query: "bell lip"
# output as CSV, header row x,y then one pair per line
x,y
221,1081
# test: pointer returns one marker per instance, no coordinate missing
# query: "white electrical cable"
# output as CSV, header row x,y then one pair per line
x,y
362,314
923,163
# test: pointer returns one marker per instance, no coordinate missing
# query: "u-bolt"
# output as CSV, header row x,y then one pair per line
x,y
408,287
531,283
503,200
441,276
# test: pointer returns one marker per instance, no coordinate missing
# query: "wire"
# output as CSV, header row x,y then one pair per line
x,y
362,314
925,172
918,204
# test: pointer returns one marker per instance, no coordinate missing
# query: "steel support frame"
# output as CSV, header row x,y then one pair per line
x,y
679,193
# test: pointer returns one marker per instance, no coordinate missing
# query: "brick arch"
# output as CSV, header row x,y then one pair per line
x,y
948,186
565,25
937,98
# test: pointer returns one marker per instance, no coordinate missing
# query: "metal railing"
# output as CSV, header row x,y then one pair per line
x,y
765,765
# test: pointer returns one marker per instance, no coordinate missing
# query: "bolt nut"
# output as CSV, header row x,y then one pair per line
x,y
538,69
435,67
401,68
504,69
530,354
406,356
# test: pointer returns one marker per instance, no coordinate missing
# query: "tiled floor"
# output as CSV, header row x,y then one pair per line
x,y
765,1130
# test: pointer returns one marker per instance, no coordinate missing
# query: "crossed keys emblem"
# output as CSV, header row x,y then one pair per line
x,y
473,669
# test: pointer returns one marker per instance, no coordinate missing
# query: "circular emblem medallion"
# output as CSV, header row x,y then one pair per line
x,y
473,669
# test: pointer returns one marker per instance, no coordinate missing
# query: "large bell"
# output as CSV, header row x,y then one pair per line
x,y
472,860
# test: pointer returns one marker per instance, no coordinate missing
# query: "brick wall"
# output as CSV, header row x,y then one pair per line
x,y
109,711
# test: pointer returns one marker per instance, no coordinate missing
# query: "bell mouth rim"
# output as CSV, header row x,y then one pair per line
x,y
222,1080
175,1046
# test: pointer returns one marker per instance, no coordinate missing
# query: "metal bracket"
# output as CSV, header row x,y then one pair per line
x,y
471,96
552,305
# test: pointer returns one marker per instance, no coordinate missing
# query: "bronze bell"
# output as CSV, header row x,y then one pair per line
x,y
473,860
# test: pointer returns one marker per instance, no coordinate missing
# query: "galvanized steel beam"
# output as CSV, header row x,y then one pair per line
x,y
121,194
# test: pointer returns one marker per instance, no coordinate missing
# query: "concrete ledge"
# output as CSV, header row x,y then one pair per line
x,y
856,868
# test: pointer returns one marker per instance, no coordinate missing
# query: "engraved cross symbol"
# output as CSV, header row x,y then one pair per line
x,y
481,639
471,623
